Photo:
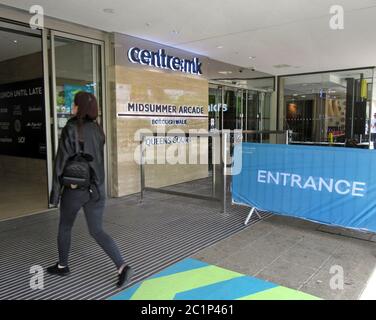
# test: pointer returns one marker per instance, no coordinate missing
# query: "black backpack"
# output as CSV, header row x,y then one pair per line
x,y
77,171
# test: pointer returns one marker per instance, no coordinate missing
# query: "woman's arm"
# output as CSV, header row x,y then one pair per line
x,y
64,152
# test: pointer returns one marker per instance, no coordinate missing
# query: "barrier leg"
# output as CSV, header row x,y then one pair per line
x,y
224,172
250,215
142,173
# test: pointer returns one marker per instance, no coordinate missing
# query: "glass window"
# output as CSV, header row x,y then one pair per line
x,y
328,107
77,68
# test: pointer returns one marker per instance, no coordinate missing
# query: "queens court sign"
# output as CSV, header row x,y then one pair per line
x,y
160,59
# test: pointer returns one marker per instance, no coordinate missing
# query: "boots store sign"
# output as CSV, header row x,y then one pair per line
x,y
160,59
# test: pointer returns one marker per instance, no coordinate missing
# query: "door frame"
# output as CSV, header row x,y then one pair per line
x,y
223,86
53,136
47,111
72,31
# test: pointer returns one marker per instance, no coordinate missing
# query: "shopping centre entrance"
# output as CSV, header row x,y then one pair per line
x,y
40,71
237,108
23,150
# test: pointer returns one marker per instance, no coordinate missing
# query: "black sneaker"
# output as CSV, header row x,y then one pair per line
x,y
58,271
125,276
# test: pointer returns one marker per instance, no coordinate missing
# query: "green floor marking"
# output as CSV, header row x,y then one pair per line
x,y
165,288
280,293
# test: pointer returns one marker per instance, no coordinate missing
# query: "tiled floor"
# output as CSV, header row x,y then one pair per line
x,y
151,235
19,197
296,254
164,229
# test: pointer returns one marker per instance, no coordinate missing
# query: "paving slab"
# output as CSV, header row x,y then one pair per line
x,y
298,254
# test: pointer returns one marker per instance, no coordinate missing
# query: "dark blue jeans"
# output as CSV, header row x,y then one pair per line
x,y
71,202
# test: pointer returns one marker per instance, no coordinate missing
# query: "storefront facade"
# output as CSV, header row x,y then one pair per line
x,y
141,86
147,87
328,107
156,89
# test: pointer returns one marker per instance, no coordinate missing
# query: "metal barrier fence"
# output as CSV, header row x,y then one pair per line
x,y
220,171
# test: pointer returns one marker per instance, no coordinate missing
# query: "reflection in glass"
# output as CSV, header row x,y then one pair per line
x,y
329,107
77,67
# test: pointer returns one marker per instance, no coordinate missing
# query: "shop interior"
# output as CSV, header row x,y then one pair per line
x,y
328,108
23,158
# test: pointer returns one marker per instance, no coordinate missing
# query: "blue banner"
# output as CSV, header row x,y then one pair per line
x,y
329,185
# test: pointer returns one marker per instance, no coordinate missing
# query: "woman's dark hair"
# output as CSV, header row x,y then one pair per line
x,y
87,110
87,106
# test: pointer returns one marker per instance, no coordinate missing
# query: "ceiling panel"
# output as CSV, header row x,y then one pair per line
x,y
290,36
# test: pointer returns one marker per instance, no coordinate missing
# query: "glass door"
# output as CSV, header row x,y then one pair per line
x,y
233,117
23,148
216,108
76,65
264,119
251,114
257,114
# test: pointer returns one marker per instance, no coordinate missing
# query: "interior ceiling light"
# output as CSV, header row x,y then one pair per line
x,y
252,57
15,41
225,72
109,10
219,47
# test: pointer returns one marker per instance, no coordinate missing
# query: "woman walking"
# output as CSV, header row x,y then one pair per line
x,y
83,135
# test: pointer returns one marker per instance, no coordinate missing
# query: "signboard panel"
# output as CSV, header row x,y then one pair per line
x,y
22,119
324,184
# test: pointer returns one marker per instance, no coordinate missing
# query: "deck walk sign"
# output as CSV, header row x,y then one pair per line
x,y
328,185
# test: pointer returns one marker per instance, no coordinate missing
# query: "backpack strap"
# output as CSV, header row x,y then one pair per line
x,y
77,142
